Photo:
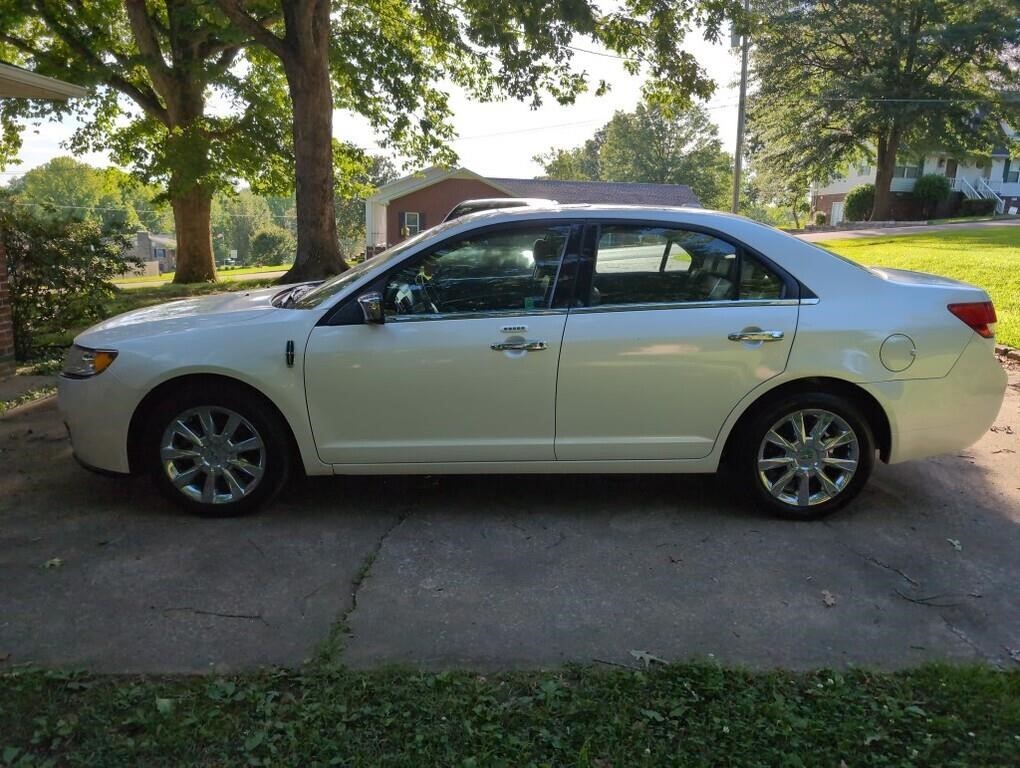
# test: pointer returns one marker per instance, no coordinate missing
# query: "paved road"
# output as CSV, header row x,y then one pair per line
x,y
500,572
813,237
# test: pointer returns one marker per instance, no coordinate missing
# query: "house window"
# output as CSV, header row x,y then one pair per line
x,y
412,224
907,172
1012,175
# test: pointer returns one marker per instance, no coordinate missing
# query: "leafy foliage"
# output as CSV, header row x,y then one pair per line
x,y
59,270
654,145
984,206
930,190
236,217
678,715
838,81
67,188
859,202
820,218
271,245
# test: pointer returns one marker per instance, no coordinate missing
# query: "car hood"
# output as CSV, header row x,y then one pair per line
x,y
185,314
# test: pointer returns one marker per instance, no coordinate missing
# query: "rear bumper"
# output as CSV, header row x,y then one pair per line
x,y
97,413
932,416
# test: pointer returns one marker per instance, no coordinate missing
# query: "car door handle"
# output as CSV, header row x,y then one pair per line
x,y
753,334
520,346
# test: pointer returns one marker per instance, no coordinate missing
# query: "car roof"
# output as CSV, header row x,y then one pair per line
x,y
584,210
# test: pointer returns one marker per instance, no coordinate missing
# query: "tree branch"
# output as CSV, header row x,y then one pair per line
x,y
256,27
142,95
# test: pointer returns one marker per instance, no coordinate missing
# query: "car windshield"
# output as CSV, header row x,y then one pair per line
x,y
334,285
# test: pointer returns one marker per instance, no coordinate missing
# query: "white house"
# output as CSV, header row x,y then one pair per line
x,y
998,180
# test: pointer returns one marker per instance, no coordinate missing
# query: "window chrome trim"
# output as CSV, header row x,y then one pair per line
x,y
812,300
687,305
474,315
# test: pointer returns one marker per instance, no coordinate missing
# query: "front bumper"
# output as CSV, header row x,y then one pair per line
x,y
932,416
97,412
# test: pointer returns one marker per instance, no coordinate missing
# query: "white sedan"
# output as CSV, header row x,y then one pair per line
x,y
562,339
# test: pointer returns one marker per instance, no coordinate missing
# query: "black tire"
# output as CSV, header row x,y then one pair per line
x,y
258,419
821,500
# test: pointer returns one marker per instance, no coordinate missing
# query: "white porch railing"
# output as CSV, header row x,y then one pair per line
x,y
1005,188
986,191
960,184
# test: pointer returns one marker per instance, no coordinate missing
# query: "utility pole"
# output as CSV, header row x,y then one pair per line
x,y
738,154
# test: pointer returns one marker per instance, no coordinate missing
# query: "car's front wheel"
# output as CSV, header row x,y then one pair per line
x,y
217,453
807,455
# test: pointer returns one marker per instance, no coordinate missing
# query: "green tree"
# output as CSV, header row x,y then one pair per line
x,y
385,59
771,189
654,145
236,218
577,164
152,66
838,80
272,245
69,189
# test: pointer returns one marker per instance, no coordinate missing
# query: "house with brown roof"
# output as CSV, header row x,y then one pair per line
x,y
408,205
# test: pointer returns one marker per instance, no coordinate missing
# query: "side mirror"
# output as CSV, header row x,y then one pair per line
x,y
372,307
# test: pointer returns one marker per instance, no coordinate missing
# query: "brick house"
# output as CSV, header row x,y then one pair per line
x,y
408,205
17,83
997,179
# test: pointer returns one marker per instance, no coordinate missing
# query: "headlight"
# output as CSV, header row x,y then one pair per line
x,y
82,362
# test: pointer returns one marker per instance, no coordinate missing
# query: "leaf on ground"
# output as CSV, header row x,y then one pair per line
x,y
828,598
53,562
164,706
956,544
647,658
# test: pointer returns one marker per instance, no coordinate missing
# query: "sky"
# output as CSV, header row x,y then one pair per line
x,y
496,139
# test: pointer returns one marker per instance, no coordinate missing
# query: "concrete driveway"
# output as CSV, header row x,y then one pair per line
x,y
499,572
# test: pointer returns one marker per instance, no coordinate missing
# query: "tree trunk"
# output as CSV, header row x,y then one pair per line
x,y
885,165
192,211
307,67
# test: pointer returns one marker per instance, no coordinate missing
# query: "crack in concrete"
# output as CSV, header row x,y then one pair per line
x,y
970,643
366,567
333,647
876,561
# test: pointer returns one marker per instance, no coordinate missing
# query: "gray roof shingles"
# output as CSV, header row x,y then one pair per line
x,y
602,192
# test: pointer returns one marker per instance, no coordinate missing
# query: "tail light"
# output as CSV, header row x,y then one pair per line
x,y
979,315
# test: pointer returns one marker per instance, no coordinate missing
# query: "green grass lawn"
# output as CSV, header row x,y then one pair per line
x,y
988,257
223,274
582,717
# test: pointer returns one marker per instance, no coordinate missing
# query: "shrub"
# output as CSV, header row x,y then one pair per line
x,y
930,190
58,271
272,245
859,202
820,218
983,206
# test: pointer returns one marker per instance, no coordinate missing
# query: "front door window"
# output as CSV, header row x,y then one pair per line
x,y
495,271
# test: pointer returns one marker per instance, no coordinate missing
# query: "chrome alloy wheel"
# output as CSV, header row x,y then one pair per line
x,y
808,457
213,455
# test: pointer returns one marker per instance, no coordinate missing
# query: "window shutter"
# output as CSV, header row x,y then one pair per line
x,y
1005,168
422,225
401,225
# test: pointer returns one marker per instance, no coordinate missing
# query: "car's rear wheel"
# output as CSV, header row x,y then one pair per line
x,y
807,455
217,453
